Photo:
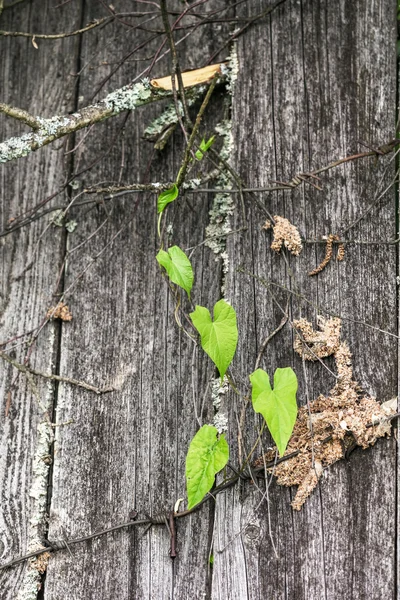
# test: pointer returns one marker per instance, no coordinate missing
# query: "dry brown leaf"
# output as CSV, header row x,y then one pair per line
x,y
285,234
40,562
61,311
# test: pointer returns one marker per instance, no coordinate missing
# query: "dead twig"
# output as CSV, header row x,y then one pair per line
x,y
152,521
176,72
58,36
20,115
53,377
187,157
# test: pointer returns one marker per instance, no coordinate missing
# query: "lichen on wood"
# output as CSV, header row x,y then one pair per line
x,y
223,204
128,97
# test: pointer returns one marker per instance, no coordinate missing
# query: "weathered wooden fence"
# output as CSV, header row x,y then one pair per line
x,y
315,79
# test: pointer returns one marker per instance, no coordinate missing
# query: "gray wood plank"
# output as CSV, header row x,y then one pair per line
x,y
127,449
38,81
320,86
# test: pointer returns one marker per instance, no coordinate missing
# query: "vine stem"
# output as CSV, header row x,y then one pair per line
x,y
154,521
187,157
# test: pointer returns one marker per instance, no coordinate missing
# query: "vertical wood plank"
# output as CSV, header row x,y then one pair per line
x,y
323,75
126,450
38,80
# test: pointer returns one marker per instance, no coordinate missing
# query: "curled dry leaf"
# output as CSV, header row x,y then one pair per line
x,y
328,254
61,311
285,234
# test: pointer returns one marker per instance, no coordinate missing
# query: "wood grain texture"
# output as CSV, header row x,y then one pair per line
x,y
29,266
323,77
127,449
315,77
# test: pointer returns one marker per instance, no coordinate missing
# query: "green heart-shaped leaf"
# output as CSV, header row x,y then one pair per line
x,y
206,456
219,337
278,406
178,267
166,197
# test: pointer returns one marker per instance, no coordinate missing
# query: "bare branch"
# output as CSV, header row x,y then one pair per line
x,y
19,114
53,377
55,36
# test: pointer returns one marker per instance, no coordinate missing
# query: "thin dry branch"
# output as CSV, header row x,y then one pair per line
x,y
20,115
53,377
55,546
176,70
56,36
390,146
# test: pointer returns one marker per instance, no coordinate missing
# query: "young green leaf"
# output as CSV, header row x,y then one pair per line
x,y
204,146
278,406
166,197
219,337
206,456
178,267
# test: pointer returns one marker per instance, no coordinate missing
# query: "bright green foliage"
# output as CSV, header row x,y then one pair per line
x,y
207,455
178,267
166,197
278,406
204,146
219,337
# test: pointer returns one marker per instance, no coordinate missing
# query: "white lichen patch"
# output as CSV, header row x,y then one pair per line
x,y
223,205
38,496
31,584
192,184
232,69
218,392
50,129
221,422
170,115
16,147
129,97
52,126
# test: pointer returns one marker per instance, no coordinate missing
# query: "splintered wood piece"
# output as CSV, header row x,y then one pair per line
x,y
190,78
